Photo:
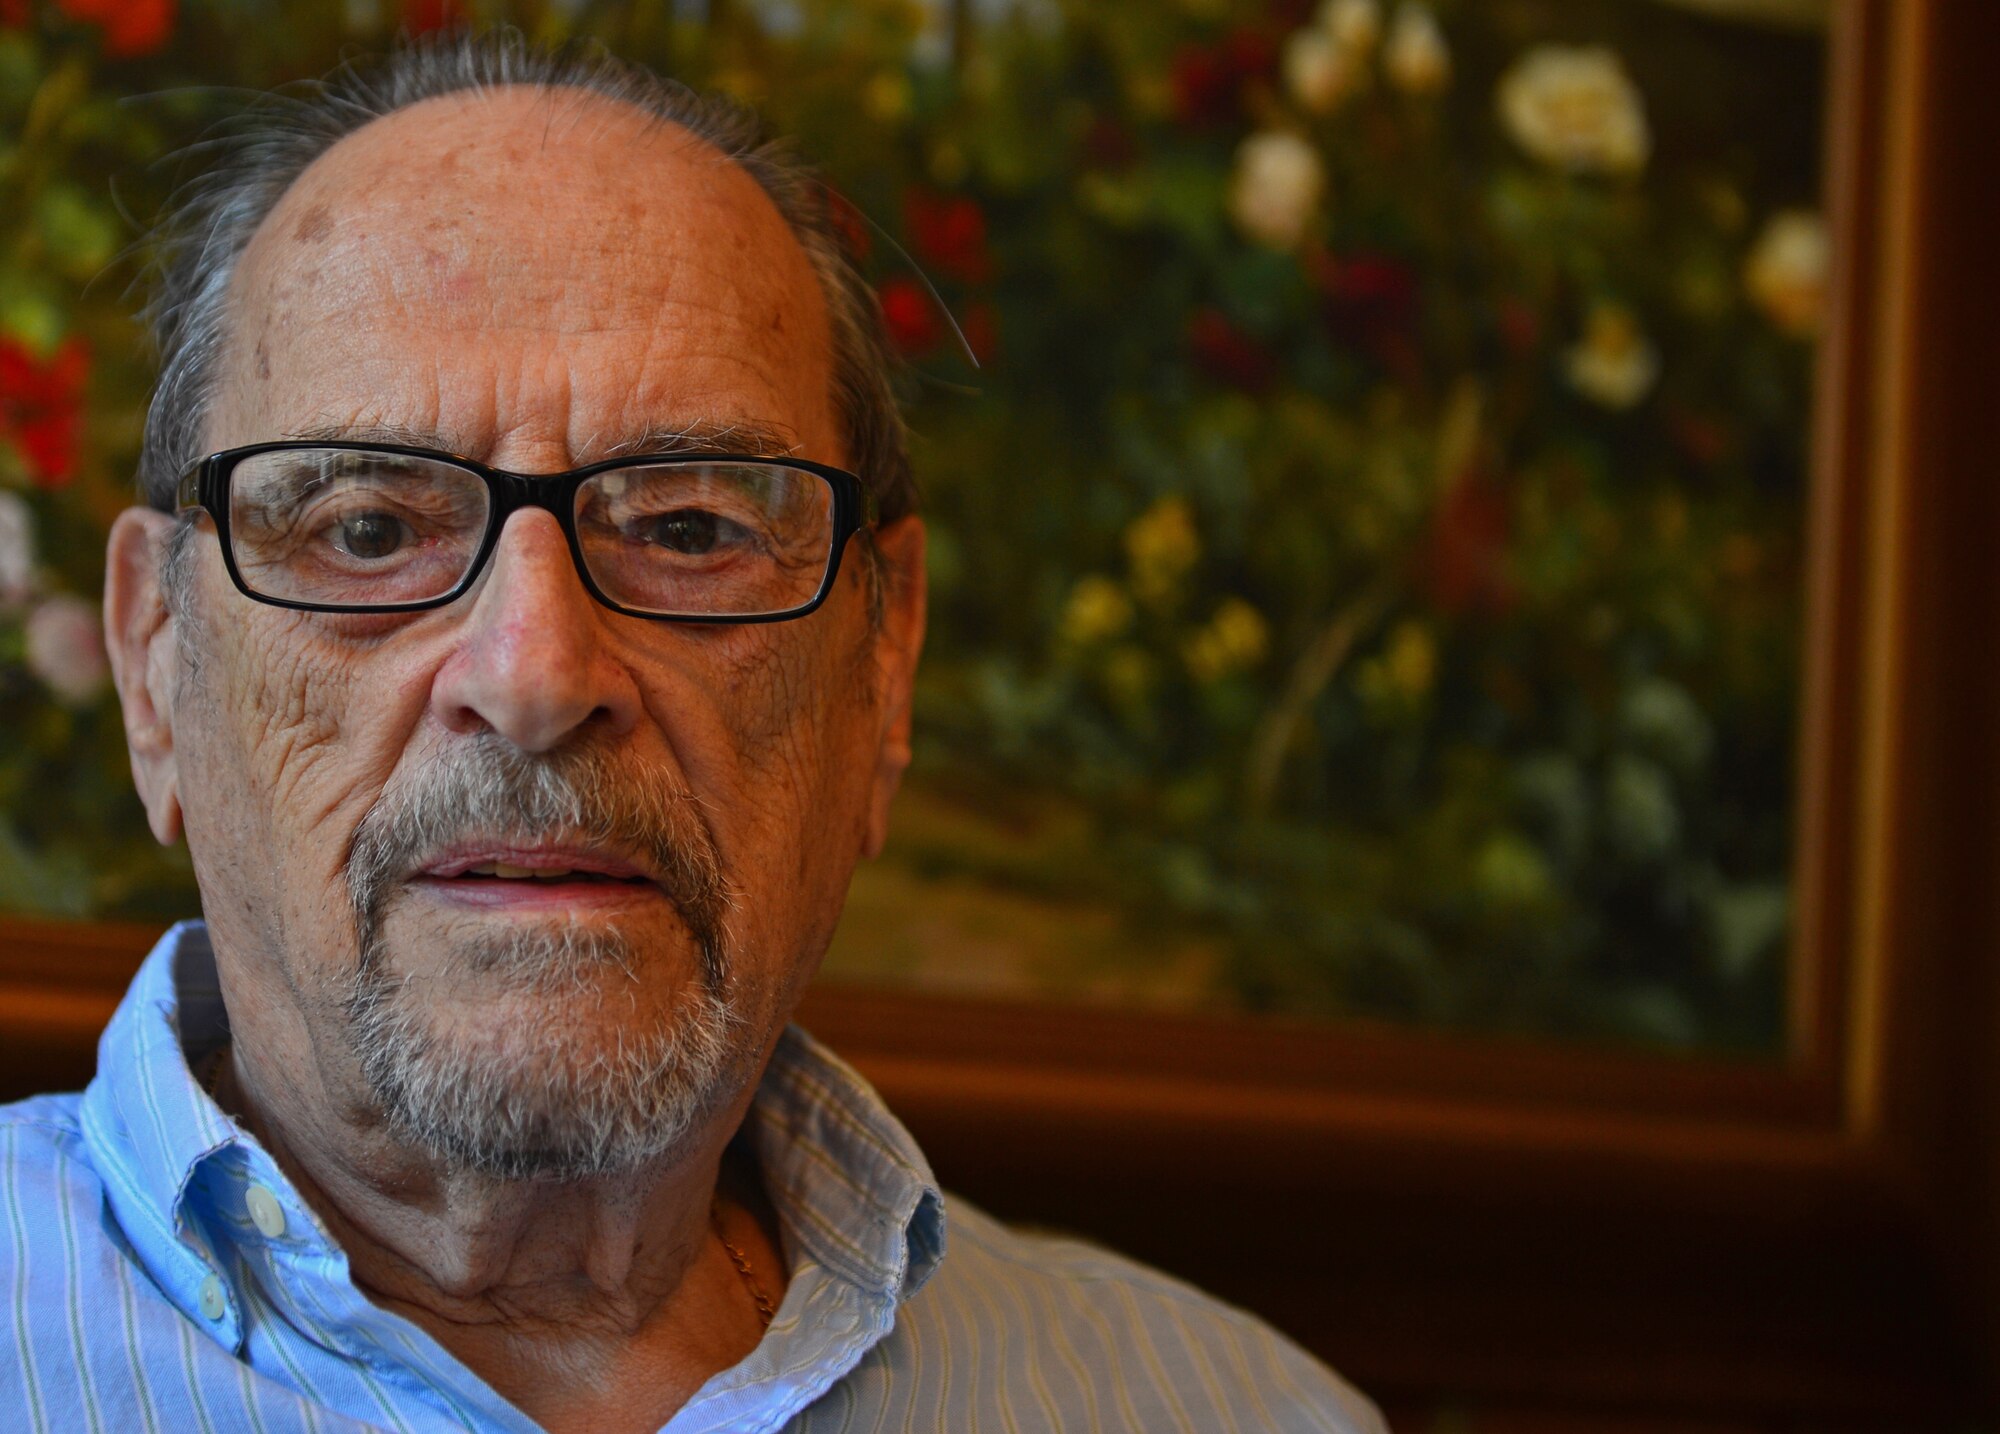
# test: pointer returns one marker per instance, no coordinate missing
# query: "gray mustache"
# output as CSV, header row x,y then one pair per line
x,y
483,788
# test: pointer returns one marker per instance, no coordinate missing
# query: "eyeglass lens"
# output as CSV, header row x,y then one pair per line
x,y
360,529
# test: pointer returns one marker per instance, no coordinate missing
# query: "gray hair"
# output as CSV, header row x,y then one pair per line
x,y
261,151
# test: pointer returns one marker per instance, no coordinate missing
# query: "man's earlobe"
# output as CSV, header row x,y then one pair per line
x,y
901,640
139,638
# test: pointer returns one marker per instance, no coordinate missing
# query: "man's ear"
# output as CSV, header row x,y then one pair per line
x,y
139,639
901,549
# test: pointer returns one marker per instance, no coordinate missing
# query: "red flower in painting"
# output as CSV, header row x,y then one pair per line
x,y
1225,354
422,16
1208,80
14,14
1387,286
948,232
131,27
1370,301
41,406
911,316
1462,567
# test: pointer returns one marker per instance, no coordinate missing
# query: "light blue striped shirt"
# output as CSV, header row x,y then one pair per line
x,y
143,1294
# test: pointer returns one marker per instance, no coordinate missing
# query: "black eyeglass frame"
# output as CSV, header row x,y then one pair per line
x,y
205,485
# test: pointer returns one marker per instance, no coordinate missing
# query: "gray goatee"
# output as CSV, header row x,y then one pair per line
x,y
538,1100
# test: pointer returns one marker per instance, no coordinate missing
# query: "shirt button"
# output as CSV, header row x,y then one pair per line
x,y
213,1305
265,1212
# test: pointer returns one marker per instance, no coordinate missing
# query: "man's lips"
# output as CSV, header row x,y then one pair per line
x,y
487,875
532,864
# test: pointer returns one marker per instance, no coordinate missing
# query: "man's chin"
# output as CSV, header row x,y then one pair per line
x,y
561,1087
553,1048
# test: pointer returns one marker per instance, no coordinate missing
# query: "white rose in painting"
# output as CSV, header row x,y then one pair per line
x,y
1785,274
1277,185
1416,57
1354,25
1613,364
17,549
1319,71
1576,109
65,645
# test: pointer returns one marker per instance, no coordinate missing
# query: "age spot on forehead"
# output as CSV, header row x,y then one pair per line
x,y
314,225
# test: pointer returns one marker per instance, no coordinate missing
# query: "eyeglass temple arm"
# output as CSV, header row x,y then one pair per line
x,y
187,492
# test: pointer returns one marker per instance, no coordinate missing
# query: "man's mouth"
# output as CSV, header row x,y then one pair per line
x,y
504,872
533,876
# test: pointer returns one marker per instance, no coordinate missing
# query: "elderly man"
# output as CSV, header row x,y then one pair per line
x,y
521,632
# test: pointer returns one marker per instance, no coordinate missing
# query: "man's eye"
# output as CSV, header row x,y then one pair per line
x,y
368,535
694,531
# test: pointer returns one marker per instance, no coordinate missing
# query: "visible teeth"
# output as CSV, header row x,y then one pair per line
x,y
517,873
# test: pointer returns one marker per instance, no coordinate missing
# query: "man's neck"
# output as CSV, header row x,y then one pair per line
x,y
601,1303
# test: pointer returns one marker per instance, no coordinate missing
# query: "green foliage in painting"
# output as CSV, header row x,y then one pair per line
x,y
1363,446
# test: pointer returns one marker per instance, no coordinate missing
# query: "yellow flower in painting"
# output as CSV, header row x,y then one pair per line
x,y
1232,641
1511,873
1097,610
1161,545
1276,188
1320,72
1785,274
1149,89
1354,25
1402,674
1416,58
1409,660
740,83
1613,364
1575,108
887,95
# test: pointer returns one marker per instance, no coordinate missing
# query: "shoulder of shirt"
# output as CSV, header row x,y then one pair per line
x,y
1086,1282
45,1165
43,1137
43,1123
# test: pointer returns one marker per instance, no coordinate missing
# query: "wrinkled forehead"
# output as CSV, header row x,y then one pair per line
x,y
525,256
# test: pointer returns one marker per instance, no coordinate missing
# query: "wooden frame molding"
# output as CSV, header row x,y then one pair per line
x,y
1813,1237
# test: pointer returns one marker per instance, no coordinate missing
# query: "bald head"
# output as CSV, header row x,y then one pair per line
x,y
451,148
537,230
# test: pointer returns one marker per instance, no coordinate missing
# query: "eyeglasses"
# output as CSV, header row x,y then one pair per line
x,y
368,527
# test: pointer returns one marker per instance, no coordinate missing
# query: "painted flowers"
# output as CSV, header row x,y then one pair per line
x,y
1575,108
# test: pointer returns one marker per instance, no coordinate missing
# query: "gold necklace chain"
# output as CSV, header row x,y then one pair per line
x,y
766,1311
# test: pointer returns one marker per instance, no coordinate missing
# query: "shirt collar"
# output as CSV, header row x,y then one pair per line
x,y
145,1102
848,1182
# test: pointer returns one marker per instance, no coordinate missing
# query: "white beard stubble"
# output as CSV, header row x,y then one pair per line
x,y
542,1100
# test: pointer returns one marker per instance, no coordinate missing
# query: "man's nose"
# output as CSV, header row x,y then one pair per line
x,y
533,662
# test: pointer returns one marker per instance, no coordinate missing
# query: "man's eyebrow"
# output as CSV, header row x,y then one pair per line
x,y
750,438
377,433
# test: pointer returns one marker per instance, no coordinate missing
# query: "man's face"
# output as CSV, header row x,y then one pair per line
x,y
536,281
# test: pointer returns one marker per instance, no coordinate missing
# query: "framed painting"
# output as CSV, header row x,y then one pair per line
x,y
1453,809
